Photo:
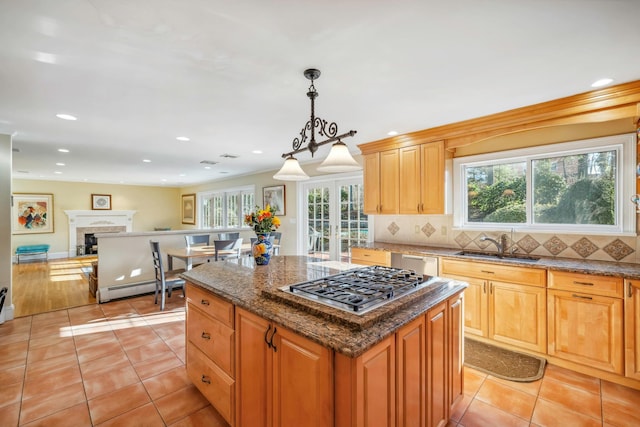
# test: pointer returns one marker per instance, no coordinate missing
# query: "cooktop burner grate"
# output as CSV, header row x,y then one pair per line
x,y
360,289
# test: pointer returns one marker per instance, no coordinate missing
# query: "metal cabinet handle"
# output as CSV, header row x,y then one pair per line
x,y
487,271
205,379
266,333
204,302
581,296
630,288
205,335
484,288
275,329
575,282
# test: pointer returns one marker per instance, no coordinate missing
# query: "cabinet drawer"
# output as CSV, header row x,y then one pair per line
x,y
502,273
213,383
587,283
212,305
370,257
214,338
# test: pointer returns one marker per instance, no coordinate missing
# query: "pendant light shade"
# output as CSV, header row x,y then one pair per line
x,y
291,171
339,160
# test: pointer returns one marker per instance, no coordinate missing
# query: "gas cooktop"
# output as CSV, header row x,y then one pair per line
x,y
360,290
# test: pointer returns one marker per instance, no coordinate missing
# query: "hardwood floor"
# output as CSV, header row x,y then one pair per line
x,y
43,286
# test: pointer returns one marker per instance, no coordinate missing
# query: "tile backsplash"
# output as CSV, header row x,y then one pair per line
x,y
437,230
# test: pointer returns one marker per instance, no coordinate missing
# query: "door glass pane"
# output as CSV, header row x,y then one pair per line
x,y
354,227
318,220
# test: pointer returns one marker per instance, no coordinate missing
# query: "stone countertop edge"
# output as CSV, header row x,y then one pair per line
x,y
625,270
242,283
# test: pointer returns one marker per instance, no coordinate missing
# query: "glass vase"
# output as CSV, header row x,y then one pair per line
x,y
261,249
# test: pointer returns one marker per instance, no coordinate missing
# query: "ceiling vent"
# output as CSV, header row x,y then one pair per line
x,y
15,150
209,162
229,156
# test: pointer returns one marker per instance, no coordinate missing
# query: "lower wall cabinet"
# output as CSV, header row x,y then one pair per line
x,y
370,257
632,328
584,326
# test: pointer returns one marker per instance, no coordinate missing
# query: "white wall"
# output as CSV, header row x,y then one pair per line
x,y
5,223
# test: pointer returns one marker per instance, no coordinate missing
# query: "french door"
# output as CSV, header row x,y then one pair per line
x,y
333,217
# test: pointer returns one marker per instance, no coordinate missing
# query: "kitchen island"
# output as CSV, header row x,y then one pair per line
x,y
262,358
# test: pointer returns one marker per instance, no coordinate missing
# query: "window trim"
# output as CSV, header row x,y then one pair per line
x,y
224,192
625,146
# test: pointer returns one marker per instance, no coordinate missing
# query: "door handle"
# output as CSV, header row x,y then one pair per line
x,y
266,333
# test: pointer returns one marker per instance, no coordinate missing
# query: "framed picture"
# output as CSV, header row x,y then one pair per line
x,y
274,197
101,201
188,208
31,213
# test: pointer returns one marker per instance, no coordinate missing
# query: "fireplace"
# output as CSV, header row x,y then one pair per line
x,y
82,222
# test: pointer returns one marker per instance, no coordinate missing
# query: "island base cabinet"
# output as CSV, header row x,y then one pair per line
x,y
437,366
632,328
365,387
282,378
586,329
213,382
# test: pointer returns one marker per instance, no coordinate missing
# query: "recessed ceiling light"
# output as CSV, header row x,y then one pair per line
x,y
66,117
392,133
183,138
207,167
60,164
146,161
58,173
257,151
183,174
164,180
601,82
63,150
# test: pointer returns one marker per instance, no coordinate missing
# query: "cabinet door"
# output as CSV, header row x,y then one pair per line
x,y
632,328
436,360
389,182
476,305
586,329
411,372
410,180
302,382
517,315
253,370
371,182
432,185
456,349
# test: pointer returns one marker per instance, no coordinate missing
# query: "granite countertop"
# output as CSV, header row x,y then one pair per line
x,y
605,268
256,289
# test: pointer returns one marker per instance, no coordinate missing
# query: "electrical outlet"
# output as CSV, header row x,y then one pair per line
x,y
417,229
443,230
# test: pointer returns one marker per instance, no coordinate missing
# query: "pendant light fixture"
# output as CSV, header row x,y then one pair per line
x,y
339,158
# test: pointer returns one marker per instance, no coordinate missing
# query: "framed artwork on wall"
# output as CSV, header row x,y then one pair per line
x,y
31,213
275,197
101,201
189,209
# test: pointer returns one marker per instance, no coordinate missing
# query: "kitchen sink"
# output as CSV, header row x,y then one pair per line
x,y
496,255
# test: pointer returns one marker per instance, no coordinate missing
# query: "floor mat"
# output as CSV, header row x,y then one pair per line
x,y
502,363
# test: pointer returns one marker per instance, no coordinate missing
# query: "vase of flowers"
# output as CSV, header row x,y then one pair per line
x,y
263,221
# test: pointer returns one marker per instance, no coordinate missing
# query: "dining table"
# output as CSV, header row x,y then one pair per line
x,y
199,253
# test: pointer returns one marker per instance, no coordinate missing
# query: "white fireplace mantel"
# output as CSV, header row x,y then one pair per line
x,y
96,218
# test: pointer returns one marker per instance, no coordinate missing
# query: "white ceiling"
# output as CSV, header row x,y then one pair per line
x,y
228,74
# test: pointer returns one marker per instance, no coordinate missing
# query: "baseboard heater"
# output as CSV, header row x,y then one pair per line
x,y
105,294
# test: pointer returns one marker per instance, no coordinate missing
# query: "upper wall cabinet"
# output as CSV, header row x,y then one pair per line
x,y
408,180
381,182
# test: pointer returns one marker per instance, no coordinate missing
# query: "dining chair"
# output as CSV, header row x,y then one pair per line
x,y
197,240
165,280
228,236
277,235
228,248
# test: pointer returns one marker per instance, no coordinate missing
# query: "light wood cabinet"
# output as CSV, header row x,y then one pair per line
x,y
407,180
210,339
412,374
506,304
381,182
456,348
632,328
282,378
422,179
370,257
586,328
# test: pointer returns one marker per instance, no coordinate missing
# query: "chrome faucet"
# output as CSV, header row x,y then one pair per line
x,y
502,245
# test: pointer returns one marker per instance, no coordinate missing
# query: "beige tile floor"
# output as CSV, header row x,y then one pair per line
x,y
122,364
